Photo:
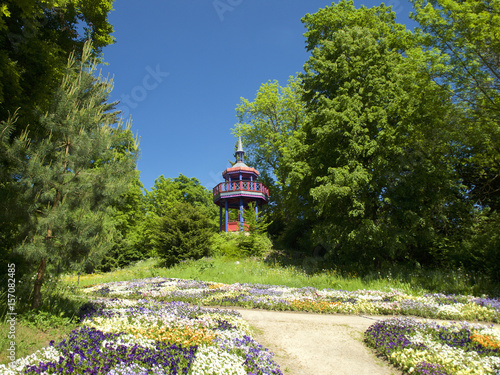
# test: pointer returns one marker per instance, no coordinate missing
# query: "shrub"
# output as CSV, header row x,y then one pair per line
x,y
184,233
226,245
256,244
238,245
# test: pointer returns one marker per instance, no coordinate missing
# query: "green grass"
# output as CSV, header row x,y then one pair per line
x,y
229,271
29,339
55,319
306,272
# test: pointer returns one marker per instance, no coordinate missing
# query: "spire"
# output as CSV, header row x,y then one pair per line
x,y
240,146
239,152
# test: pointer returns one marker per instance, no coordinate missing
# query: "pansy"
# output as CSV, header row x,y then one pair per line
x,y
279,297
431,348
150,337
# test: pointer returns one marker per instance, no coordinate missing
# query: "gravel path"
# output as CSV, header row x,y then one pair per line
x,y
315,344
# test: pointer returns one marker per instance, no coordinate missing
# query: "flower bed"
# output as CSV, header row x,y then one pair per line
x,y
159,327
438,306
148,337
436,349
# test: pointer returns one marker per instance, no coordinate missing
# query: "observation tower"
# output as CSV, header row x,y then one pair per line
x,y
239,189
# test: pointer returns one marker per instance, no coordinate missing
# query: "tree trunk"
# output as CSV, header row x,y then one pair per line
x,y
37,291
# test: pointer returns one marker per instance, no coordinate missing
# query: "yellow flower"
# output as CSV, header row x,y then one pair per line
x,y
487,341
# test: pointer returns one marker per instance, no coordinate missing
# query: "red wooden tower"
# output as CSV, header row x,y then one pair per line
x,y
239,189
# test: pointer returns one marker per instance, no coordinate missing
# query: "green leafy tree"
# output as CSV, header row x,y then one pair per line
x,y
368,173
166,194
71,177
185,233
463,49
36,39
267,126
129,216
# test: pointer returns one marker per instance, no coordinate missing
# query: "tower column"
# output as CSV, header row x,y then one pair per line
x,y
220,218
227,217
241,215
257,213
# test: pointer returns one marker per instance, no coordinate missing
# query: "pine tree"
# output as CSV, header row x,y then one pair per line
x,y
71,178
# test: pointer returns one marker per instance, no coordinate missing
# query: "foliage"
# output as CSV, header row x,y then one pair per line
x,y
184,233
237,245
481,247
226,245
462,51
129,216
166,194
267,126
36,39
254,242
369,171
70,178
295,270
256,225
254,245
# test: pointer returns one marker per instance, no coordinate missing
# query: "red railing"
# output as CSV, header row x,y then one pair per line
x,y
252,186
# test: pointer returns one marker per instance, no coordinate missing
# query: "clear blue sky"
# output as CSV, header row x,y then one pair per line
x,y
180,68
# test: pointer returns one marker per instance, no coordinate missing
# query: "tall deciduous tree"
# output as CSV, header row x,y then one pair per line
x,y
370,172
463,37
71,177
167,192
463,49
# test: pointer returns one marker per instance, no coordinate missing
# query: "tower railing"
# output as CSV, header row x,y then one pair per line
x,y
233,186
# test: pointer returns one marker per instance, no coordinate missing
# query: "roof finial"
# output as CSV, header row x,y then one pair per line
x,y
240,146
239,152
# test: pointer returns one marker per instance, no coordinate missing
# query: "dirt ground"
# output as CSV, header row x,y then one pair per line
x,y
315,344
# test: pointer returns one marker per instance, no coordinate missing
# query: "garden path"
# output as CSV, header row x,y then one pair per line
x,y
307,344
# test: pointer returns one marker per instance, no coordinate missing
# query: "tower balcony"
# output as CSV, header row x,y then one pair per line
x,y
244,189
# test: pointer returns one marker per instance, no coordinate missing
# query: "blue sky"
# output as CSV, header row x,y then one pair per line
x,y
180,68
